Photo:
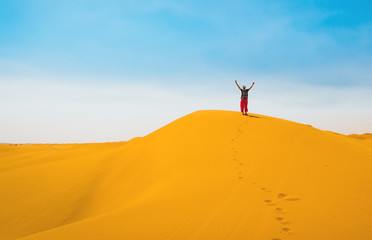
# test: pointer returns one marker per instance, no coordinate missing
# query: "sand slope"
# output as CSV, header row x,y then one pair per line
x,y
208,175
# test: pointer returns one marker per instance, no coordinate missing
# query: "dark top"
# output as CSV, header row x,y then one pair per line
x,y
244,93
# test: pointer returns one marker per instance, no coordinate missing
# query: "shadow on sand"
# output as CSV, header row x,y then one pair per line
x,y
255,117
252,116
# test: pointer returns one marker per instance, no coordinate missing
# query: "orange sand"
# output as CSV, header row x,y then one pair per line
x,y
209,175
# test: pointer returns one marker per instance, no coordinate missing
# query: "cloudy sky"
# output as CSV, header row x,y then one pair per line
x,y
94,71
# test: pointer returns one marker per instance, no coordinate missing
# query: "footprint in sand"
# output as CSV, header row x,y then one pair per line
x,y
286,229
280,211
287,197
265,189
279,219
291,198
281,195
285,222
270,203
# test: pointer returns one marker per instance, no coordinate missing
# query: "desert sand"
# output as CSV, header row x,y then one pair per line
x,y
208,175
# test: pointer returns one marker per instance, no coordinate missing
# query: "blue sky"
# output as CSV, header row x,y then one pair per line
x,y
171,38
191,45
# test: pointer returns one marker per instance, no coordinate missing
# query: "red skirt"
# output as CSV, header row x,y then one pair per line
x,y
244,105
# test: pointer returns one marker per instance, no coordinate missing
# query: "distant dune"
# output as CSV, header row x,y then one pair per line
x,y
211,175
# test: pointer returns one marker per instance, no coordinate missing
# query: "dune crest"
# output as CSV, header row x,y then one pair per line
x,y
208,175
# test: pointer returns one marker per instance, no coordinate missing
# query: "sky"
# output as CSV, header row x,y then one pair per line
x,y
95,71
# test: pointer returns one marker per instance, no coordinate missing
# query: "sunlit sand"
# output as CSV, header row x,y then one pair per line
x,y
209,175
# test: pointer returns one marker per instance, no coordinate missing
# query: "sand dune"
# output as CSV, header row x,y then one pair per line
x,y
208,175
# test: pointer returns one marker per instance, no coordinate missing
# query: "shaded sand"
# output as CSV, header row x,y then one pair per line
x,y
365,139
208,175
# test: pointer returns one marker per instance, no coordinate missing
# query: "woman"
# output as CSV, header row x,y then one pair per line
x,y
244,98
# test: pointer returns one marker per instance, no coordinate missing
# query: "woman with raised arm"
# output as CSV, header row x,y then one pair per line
x,y
244,98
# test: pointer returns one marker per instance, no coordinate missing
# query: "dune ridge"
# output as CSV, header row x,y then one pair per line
x,y
208,175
